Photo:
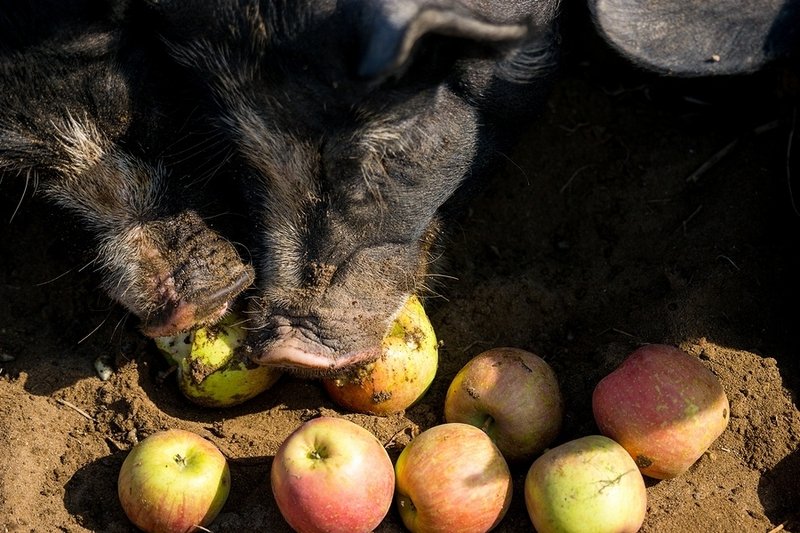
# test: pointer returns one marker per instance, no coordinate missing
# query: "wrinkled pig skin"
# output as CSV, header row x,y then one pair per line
x,y
82,120
352,124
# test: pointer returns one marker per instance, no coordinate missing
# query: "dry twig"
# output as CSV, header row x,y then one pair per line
x,y
76,409
713,160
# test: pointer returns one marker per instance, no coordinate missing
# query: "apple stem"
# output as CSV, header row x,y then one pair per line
x,y
318,453
486,423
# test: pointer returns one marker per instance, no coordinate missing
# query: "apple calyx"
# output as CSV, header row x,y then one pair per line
x,y
180,460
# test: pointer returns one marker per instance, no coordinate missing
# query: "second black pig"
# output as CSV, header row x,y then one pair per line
x,y
353,122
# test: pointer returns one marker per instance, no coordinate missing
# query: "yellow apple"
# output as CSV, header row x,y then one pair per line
x,y
400,376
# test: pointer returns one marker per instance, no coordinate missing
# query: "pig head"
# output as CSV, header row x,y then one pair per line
x,y
353,123
82,118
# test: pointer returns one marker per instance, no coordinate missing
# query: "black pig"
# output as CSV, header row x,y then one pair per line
x,y
353,122
82,114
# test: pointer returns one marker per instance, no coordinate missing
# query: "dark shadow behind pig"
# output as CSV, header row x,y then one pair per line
x,y
353,122
84,114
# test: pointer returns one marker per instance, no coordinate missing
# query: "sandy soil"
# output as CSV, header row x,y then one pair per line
x,y
589,241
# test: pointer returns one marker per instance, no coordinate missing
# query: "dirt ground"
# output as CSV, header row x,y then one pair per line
x,y
592,239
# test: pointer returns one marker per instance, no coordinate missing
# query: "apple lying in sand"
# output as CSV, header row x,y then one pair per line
x,y
402,374
172,481
663,406
513,396
211,371
451,478
586,485
331,475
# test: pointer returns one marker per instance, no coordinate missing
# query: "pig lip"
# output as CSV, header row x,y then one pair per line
x,y
292,354
184,315
183,319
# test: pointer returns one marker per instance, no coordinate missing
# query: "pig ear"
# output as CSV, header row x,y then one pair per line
x,y
393,29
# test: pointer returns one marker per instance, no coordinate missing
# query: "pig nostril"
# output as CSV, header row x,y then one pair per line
x,y
231,290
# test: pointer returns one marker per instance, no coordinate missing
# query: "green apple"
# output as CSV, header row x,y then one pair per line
x,y
173,481
211,371
587,485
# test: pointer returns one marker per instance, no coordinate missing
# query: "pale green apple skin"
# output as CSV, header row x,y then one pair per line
x,y
587,485
172,481
513,395
332,476
451,478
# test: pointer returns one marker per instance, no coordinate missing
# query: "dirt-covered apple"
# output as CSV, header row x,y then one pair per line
x,y
402,374
587,485
512,395
173,481
452,477
211,370
332,476
663,406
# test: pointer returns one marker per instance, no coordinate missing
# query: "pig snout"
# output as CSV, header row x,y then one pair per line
x,y
300,343
716,37
336,316
175,274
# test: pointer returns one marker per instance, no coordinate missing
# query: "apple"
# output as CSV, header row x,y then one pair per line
x,y
333,476
586,485
452,477
663,406
211,371
173,481
513,396
402,374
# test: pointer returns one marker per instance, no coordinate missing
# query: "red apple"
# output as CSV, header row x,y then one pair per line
x,y
173,481
587,485
663,406
512,395
402,374
452,478
331,475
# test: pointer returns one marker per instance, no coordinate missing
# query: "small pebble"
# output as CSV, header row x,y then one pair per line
x,y
103,368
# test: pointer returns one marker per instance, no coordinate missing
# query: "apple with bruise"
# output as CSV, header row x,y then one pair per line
x,y
663,406
400,376
512,395
211,371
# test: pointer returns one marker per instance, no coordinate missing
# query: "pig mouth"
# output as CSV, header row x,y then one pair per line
x,y
297,350
202,308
